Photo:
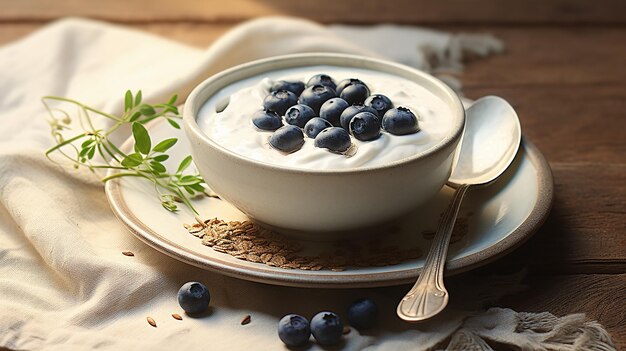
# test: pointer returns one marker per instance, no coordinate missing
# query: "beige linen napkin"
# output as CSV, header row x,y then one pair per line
x,y
64,284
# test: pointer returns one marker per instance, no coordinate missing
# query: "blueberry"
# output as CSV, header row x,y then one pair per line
x,y
344,83
194,297
288,138
334,139
315,125
316,95
363,314
298,115
365,126
280,101
295,86
294,330
332,109
327,328
322,79
380,103
400,121
267,120
355,92
347,114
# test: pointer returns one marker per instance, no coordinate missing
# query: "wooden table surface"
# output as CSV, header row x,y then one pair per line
x,y
565,72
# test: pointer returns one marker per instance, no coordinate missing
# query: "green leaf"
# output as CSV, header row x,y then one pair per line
x,y
189,180
132,160
189,190
92,152
172,100
87,143
168,108
184,164
173,123
142,138
169,205
161,158
165,145
138,98
157,166
134,116
197,187
83,152
128,101
147,110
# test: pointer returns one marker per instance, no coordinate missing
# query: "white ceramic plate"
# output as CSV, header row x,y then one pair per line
x,y
500,217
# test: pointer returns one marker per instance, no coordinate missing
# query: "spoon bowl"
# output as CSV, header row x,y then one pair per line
x,y
490,142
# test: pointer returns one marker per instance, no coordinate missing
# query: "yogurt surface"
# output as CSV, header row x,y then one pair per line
x,y
232,128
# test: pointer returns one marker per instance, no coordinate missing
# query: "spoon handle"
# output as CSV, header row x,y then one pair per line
x,y
428,296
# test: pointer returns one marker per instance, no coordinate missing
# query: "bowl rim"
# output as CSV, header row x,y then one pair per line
x,y
192,107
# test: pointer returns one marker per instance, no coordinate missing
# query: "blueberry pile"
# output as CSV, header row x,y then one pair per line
x,y
326,327
331,114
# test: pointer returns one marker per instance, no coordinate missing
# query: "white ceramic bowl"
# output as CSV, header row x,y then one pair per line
x,y
321,200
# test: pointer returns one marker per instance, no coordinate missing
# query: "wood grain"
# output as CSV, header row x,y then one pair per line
x,y
346,11
569,123
585,230
551,56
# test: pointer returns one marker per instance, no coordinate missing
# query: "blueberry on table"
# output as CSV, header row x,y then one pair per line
x,y
315,125
363,314
295,86
331,110
288,138
194,297
316,95
299,114
334,139
380,103
267,120
347,114
294,330
322,79
279,101
365,126
400,121
327,328
355,92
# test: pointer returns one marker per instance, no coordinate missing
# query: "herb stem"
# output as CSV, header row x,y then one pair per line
x,y
144,161
58,98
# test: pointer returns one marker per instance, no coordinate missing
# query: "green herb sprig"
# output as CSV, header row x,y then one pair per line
x,y
146,161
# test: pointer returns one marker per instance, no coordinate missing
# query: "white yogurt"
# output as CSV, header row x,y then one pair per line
x,y
232,128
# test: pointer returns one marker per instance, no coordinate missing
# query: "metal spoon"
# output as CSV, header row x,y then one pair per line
x,y
490,142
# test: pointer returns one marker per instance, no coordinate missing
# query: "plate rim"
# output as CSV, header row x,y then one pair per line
x,y
324,279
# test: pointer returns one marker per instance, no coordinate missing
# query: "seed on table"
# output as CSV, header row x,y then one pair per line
x,y
128,253
345,330
151,321
246,320
177,316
